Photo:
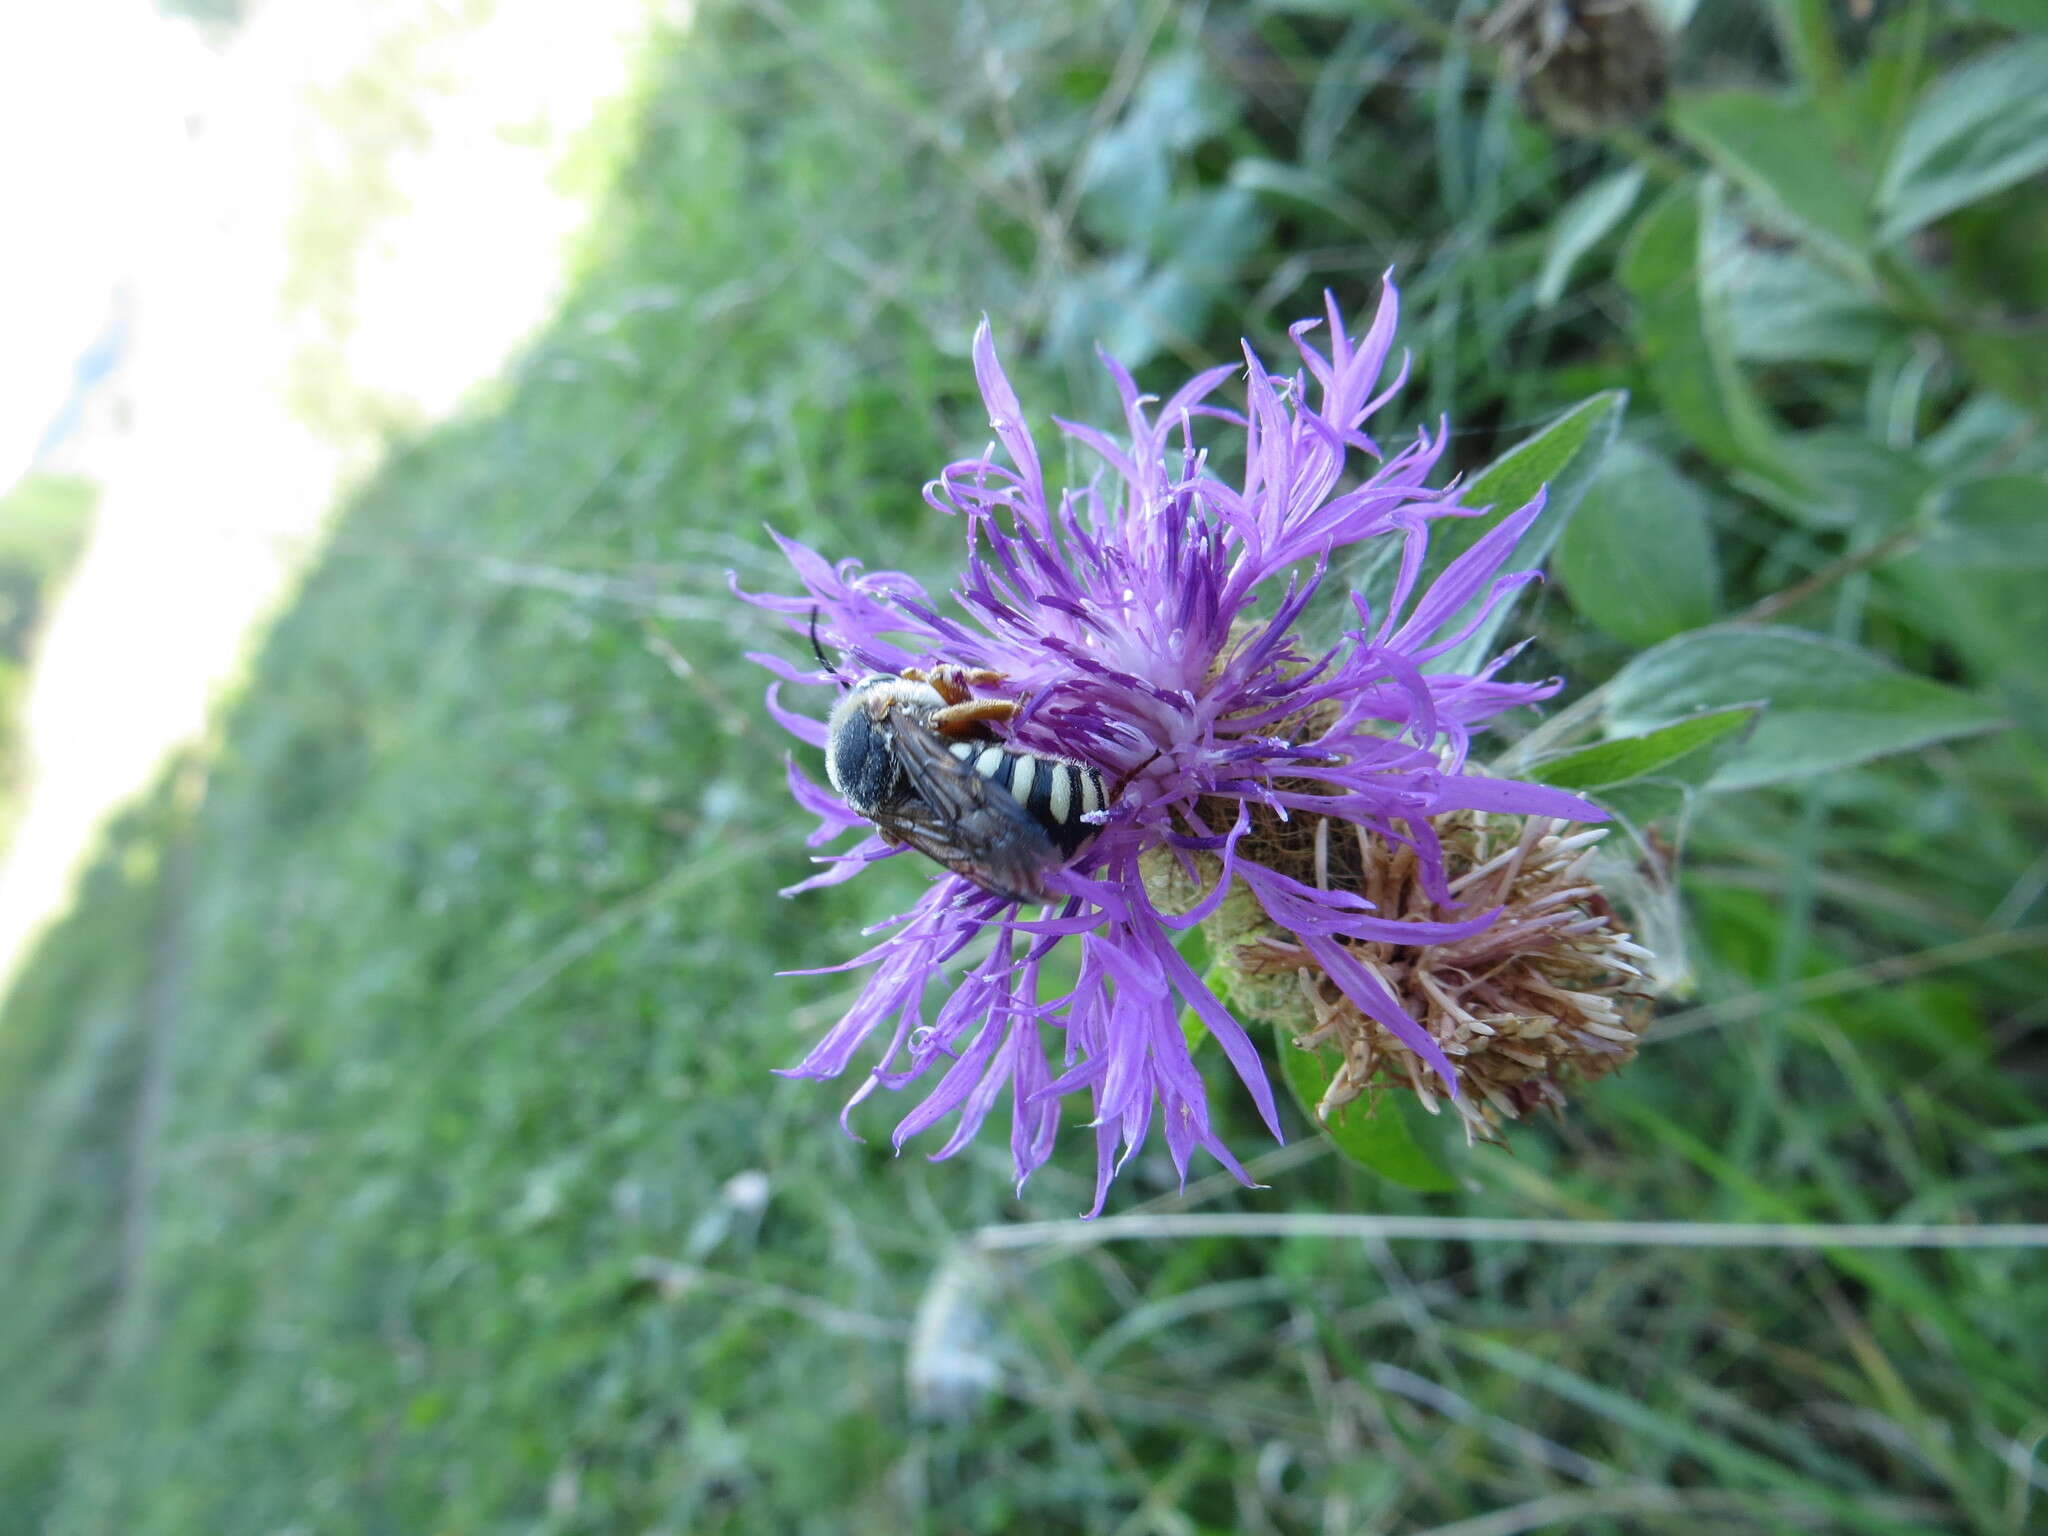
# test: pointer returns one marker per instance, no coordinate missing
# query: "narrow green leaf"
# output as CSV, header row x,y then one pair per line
x,y
1345,75
1628,758
1561,460
1582,224
1568,448
1312,186
1809,34
1978,131
1380,1141
1830,704
1729,1462
1777,148
1667,798
1638,559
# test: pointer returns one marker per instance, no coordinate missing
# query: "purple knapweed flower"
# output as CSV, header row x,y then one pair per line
x,y
1145,624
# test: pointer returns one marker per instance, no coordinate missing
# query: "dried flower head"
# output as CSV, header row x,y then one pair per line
x,y
1549,992
1144,624
1584,65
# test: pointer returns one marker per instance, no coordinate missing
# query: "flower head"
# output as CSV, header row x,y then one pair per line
x,y
1549,991
1585,66
1145,623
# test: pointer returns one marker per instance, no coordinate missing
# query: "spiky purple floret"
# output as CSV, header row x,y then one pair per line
x,y
1119,613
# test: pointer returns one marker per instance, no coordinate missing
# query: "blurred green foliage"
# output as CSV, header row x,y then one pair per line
x,y
44,521
389,1139
218,17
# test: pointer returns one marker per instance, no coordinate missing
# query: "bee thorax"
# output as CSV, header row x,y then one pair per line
x,y
896,753
860,761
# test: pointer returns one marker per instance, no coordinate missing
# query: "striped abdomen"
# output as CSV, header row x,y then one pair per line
x,y
1054,792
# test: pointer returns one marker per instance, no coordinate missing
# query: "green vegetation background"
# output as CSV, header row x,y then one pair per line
x,y
389,1140
43,526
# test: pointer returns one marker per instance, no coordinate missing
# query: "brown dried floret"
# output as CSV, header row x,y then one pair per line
x,y
1548,993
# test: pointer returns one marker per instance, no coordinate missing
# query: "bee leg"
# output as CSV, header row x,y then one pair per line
x,y
953,684
958,719
1124,783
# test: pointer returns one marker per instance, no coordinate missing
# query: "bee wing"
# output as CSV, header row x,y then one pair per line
x,y
915,826
964,822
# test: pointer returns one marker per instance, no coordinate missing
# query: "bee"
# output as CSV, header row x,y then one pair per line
x,y
914,754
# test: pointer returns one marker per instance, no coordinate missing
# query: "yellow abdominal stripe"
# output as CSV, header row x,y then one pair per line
x,y
991,761
1059,798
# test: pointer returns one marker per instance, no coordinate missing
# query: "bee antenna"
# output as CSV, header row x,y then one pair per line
x,y
818,650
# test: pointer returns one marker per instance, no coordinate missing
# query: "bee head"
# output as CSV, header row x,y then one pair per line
x,y
860,761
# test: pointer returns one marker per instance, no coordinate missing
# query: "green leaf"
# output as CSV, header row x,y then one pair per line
x,y
1977,583
1562,457
1380,1141
1784,308
1976,132
1667,799
1194,949
1855,481
1980,431
1638,559
1777,149
1685,336
1830,704
1563,454
1127,176
2014,13
1628,758
1132,306
1999,523
1582,224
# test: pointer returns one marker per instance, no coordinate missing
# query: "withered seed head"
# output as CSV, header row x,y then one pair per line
x,y
1549,992
1583,65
